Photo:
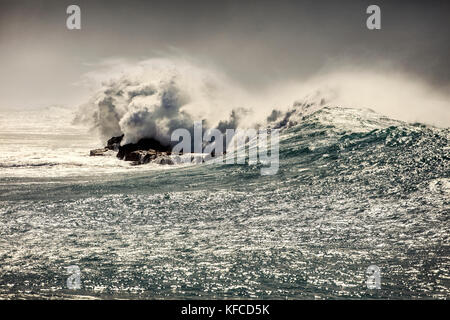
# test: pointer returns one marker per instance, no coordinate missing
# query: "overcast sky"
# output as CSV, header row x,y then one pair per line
x,y
255,42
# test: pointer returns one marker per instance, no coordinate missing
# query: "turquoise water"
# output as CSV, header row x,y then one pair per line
x,y
353,189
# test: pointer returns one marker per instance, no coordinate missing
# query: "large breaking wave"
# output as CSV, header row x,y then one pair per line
x,y
154,97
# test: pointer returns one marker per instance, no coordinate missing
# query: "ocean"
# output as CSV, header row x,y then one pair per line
x,y
354,189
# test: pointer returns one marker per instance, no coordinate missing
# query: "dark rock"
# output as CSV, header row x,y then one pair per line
x,y
141,156
148,156
114,143
98,152
163,160
144,151
133,156
143,144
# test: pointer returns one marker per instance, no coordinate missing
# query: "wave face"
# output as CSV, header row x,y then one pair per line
x,y
353,189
